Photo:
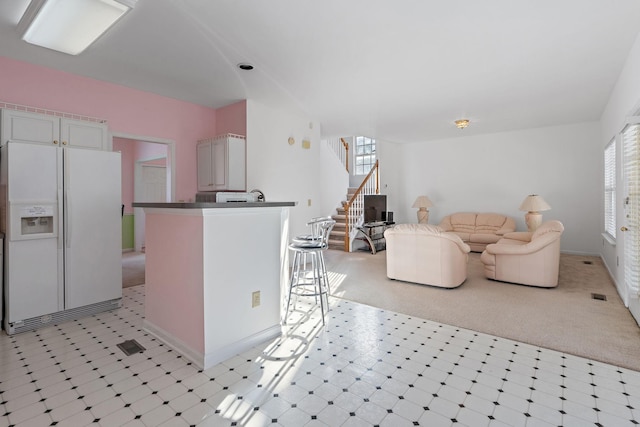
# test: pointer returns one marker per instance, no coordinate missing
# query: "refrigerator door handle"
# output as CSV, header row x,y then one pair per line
x,y
67,220
67,201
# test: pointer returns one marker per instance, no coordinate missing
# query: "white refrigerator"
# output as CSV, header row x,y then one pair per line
x,y
61,215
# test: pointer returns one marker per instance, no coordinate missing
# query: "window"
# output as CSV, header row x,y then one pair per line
x,y
365,156
610,189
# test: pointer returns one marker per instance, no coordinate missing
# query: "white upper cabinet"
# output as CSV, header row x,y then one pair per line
x,y
222,163
21,126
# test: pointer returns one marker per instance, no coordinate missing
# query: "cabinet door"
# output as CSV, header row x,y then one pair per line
x,y
20,126
220,165
236,165
204,156
84,134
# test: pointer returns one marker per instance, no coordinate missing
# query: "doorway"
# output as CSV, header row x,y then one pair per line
x,y
148,174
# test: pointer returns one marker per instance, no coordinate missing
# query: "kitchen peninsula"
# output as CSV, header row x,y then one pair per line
x,y
215,273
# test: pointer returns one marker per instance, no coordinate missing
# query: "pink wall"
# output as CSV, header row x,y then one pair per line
x,y
232,119
126,110
149,150
126,149
132,151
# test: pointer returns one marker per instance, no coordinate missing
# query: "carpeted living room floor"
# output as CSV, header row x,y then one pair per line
x,y
565,318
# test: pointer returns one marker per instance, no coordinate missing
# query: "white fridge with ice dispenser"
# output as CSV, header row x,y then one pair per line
x,y
61,215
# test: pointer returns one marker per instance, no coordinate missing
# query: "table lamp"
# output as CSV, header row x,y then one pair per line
x,y
422,203
533,204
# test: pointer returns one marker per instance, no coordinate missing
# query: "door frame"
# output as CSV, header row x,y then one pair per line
x,y
138,213
171,172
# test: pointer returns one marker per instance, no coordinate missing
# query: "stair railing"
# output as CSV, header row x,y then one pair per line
x,y
345,152
354,208
341,149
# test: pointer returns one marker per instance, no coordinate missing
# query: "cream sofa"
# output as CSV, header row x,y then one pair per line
x,y
526,258
423,253
478,229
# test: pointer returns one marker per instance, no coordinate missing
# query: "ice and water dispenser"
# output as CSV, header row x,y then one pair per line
x,y
33,221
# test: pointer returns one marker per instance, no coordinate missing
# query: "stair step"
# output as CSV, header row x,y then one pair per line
x,y
336,233
342,218
340,225
336,244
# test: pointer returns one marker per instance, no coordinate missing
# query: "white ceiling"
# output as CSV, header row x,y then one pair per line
x,y
400,70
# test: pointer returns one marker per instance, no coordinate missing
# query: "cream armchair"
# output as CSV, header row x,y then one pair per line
x,y
423,253
526,258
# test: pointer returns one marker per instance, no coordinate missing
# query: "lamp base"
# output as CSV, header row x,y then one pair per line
x,y
423,216
533,220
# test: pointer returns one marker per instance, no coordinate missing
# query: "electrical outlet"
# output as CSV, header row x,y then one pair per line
x,y
255,299
308,202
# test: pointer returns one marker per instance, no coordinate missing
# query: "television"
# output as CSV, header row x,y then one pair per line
x,y
375,207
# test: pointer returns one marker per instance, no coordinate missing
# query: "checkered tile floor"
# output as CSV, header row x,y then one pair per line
x,y
367,367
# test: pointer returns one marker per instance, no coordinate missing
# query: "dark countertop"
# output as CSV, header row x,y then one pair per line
x,y
208,205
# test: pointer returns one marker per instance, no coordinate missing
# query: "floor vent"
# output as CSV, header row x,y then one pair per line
x,y
587,262
599,297
130,347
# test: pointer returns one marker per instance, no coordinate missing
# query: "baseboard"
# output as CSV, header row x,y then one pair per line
x,y
579,253
208,360
193,355
224,353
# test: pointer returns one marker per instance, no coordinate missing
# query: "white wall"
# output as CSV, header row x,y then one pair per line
x,y
334,178
624,101
495,172
285,172
391,175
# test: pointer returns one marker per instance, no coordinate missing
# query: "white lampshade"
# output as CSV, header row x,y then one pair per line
x,y
534,203
422,202
70,26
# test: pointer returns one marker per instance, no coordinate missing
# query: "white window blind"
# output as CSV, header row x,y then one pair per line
x,y
631,144
610,189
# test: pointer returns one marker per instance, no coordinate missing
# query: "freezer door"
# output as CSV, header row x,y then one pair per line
x,y
33,287
93,227
33,268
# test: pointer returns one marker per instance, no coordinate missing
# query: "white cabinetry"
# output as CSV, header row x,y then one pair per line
x,y
222,163
21,126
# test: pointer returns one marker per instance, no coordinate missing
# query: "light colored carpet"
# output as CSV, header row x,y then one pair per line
x,y
565,318
132,269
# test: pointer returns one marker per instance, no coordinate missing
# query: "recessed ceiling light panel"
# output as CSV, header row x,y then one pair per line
x,y
70,26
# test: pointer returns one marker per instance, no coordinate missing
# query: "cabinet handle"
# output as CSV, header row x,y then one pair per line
x,y
64,142
623,228
55,142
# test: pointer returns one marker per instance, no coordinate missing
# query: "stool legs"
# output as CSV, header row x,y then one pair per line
x,y
301,285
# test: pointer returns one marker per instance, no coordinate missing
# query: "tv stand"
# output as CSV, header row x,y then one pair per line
x,y
373,234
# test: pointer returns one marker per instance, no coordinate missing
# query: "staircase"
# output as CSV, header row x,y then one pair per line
x,y
336,238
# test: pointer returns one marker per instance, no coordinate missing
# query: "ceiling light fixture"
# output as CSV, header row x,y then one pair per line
x,y
462,123
245,66
70,26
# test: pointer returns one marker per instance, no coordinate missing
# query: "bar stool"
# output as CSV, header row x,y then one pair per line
x,y
311,281
314,224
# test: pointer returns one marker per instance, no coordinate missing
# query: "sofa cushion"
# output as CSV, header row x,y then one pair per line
x,y
478,229
483,238
489,222
464,222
